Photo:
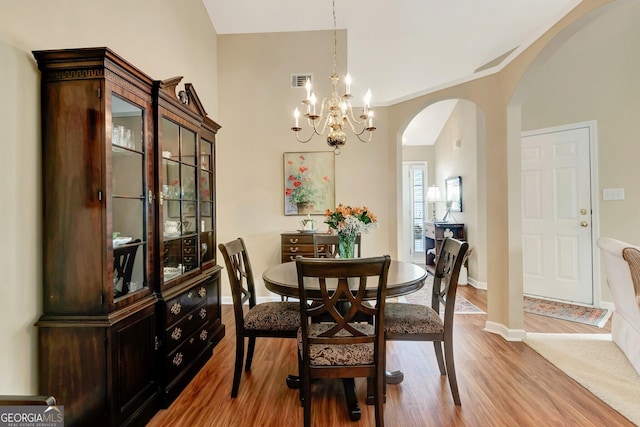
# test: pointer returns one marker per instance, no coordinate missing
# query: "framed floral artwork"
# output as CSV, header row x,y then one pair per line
x,y
309,186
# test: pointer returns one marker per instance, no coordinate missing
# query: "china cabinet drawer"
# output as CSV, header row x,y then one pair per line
x,y
178,307
177,333
187,352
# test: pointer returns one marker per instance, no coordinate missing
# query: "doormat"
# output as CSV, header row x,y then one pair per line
x,y
423,297
571,312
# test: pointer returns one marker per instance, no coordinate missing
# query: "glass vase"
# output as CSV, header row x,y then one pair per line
x,y
346,245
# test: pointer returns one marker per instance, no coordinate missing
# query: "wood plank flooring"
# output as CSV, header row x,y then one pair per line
x,y
501,384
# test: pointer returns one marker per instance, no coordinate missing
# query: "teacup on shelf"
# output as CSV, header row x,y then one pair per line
x,y
172,227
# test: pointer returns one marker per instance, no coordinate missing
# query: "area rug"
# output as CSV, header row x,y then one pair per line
x,y
597,363
423,296
572,312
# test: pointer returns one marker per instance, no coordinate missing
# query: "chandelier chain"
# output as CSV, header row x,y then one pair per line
x,y
335,38
336,114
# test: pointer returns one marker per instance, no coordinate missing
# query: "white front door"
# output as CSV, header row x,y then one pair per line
x,y
556,215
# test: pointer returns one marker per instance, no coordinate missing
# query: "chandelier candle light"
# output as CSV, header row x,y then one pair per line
x,y
335,113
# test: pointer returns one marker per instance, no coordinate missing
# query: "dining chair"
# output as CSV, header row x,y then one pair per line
x,y
326,245
342,347
417,322
270,319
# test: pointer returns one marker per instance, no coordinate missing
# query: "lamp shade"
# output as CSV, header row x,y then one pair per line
x,y
433,194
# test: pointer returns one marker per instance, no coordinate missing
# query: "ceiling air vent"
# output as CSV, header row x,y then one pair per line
x,y
299,80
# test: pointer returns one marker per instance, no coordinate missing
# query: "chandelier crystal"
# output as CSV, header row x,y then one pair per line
x,y
335,114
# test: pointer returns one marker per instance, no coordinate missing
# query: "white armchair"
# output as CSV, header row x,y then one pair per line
x,y
622,263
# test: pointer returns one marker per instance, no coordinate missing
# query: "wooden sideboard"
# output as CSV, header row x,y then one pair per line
x,y
434,234
294,243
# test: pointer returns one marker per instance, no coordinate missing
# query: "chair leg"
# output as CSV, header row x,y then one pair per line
x,y
437,346
306,396
451,371
237,370
250,349
379,386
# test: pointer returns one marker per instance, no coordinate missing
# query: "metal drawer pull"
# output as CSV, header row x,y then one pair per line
x,y
294,250
202,292
203,313
176,334
177,359
190,317
294,241
203,335
176,308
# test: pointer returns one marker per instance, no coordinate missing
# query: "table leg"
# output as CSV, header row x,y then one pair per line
x,y
394,377
293,381
349,385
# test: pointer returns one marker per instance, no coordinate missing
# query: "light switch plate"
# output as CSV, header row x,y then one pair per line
x,y
613,194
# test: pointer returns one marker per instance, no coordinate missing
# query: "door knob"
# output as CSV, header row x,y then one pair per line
x,y
584,224
583,211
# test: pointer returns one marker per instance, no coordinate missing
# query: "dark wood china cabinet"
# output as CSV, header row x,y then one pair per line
x,y
189,279
131,286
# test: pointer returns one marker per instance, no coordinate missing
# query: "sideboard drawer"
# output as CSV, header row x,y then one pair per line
x,y
295,244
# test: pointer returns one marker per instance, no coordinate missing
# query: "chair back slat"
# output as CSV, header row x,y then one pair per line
x,y
241,281
445,282
343,284
327,245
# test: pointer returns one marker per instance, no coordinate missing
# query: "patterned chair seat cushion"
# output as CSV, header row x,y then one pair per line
x,y
338,354
273,316
402,318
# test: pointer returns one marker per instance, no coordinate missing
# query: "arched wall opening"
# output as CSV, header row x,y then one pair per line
x,y
452,142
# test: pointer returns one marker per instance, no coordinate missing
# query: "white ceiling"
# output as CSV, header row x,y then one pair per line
x,y
403,48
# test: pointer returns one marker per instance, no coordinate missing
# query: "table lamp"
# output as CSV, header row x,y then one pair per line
x,y
433,196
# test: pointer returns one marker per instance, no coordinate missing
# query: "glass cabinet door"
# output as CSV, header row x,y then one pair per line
x,y
128,196
179,199
207,206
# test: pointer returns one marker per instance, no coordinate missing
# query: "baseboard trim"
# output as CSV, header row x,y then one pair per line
x,y
476,284
504,332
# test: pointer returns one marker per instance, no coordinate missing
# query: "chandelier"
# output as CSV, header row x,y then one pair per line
x,y
335,114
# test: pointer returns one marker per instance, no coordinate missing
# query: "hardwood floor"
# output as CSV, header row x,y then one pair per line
x,y
501,384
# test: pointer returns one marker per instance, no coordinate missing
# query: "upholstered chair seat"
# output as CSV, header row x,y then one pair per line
x,y
273,316
412,319
338,354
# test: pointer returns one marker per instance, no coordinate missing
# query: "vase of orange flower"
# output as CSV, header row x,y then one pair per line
x,y
347,222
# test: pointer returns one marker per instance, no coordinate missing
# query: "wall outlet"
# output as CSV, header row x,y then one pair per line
x,y
613,194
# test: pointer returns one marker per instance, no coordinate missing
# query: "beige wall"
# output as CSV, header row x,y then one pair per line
x,y
163,38
462,161
256,112
243,83
499,97
594,76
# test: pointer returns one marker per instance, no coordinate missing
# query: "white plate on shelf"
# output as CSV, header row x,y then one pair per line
x,y
171,272
169,235
308,231
119,241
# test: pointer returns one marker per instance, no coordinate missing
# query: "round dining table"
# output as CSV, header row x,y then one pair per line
x,y
403,278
